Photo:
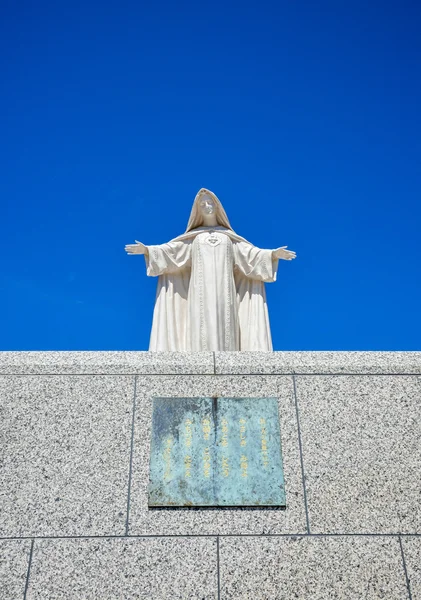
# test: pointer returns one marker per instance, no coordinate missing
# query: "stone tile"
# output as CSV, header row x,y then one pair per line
x,y
313,568
106,569
412,552
106,363
317,362
14,559
66,454
361,441
216,520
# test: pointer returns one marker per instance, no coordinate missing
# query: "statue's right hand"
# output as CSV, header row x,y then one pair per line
x,y
137,248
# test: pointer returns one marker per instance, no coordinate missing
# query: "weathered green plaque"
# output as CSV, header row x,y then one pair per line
x,y
216,452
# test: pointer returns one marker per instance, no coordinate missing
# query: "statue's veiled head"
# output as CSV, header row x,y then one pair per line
x,y
206,203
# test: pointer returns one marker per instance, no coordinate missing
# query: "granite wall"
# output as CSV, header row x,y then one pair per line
x,y
74,520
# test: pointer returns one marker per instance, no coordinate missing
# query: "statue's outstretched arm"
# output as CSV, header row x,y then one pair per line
x,y
137,248
163,258
283,253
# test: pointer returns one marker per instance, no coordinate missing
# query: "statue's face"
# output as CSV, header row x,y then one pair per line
x,y
207,205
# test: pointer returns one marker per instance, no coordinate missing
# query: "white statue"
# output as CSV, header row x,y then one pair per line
x,y
211,293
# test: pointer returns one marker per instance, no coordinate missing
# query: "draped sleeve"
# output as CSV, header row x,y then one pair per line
x,y
168,258
255,263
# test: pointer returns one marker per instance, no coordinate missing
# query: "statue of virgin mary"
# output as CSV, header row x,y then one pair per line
x,y
211,285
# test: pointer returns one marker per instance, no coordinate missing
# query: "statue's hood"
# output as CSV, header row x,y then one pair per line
x,y
196,219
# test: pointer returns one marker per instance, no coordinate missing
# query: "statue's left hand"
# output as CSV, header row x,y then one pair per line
x,y
283,253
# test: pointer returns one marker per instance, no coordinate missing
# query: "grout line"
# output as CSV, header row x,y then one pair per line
x,y
29,569
396,534
408,582
214,363
280,374
131,457
309,374
210,535
105,374
318,373
301,456
217,567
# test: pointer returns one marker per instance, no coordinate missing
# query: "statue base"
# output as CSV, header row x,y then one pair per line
x,y
74,515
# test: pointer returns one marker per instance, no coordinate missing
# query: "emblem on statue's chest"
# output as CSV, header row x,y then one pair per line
x,y
213,239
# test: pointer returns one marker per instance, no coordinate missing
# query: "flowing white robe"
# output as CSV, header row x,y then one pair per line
x,y
211,293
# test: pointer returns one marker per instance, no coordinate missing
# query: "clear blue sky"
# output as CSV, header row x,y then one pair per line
x,y
303,117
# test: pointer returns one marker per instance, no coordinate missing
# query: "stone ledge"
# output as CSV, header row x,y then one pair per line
x,y
284,363
208,363
106,363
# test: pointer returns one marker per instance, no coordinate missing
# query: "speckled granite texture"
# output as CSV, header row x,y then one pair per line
x,y
74,461
66,444
312,567
361,439
14,560
157,569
